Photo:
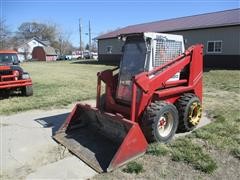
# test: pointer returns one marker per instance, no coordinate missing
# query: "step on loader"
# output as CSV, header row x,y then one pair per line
x,y
156,90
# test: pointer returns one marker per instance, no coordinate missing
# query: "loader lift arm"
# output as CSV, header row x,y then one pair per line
x,y
158,86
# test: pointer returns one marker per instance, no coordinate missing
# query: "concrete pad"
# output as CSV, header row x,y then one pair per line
x,y
26,141
68,168
204,121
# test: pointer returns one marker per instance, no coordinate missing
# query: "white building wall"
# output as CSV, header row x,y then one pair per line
x,y
27,48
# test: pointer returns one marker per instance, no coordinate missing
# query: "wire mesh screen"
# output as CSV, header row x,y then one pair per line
x,y
166,50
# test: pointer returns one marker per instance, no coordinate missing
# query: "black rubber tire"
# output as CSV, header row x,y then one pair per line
x,y
27,91
183,105
151,118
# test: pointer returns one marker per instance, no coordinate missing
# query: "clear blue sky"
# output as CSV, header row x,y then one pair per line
x,y
104,15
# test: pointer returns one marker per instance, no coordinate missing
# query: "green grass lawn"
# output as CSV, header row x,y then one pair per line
x,y
222,102
55,84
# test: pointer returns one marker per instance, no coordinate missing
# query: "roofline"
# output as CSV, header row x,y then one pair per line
x,y
207,27
186,29
183,17
170,19
33,38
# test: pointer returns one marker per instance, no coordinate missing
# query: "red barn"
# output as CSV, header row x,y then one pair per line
x,y
44,53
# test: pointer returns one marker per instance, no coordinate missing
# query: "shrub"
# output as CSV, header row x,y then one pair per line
x,y
133,167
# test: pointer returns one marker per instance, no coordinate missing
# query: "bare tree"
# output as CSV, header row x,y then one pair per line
x,y
4,34
58,39
63,43
46,31
42,31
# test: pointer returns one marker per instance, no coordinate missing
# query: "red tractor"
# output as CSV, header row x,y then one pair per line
x,y
156,90
12,76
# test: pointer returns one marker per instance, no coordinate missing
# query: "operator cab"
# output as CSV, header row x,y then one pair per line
x,y
143,52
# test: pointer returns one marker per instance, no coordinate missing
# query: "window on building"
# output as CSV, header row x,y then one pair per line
x,y
218,46
214,47
210,46
109,49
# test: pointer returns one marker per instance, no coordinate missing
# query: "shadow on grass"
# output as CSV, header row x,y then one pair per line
x,y
55,122
95,62
208,69
7,95
2,97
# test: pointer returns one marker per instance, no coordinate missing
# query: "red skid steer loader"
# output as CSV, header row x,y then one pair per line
x,y
156,90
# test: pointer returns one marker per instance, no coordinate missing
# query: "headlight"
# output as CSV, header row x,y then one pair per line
x,y
16,74
25,76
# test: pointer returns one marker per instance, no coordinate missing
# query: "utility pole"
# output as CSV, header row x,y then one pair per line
x,y
89,33
80,34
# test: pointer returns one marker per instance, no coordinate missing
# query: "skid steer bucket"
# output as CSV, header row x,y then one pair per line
x,y
102,140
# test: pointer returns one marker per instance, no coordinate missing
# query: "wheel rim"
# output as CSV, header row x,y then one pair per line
x,y
165,124
195,113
